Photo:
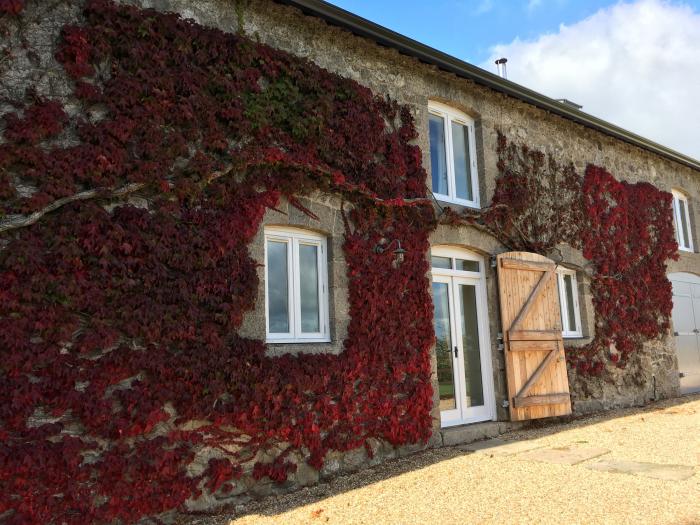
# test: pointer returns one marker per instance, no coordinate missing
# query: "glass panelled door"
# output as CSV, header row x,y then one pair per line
x,y
463,361
446,349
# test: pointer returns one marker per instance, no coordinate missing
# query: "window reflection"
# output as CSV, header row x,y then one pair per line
x,y
308,277
443,347
438,157
277,287
460,148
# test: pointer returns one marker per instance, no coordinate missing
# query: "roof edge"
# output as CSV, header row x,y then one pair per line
x,y
365,28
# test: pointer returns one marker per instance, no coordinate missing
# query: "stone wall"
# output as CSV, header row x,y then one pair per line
x,y
652,373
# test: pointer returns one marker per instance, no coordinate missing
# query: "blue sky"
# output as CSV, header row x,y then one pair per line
x,y
468,28
635,63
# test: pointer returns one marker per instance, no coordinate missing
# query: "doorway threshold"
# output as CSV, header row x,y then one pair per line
x,y
464,434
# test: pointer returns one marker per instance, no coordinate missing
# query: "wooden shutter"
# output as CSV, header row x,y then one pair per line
x,y
538,385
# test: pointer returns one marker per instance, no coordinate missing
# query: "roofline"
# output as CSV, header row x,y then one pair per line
x,y
407,46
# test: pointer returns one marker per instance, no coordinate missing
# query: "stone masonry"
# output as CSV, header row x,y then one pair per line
x,y
387,72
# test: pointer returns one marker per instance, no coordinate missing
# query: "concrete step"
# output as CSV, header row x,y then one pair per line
x,y
463,434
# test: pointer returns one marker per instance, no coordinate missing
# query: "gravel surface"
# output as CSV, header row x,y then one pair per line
x,y
450,485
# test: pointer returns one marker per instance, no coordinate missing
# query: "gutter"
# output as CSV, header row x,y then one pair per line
x,y
407,46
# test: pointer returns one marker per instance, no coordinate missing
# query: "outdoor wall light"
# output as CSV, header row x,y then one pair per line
x,y
399,252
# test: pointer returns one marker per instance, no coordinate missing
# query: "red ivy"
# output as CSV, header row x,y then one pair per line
x,y
537,201
628,237
625,231
42,120
109,321
11,7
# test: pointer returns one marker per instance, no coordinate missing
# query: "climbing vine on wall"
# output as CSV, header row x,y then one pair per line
x,y
125,272
624,230
628,237
11,7
537,201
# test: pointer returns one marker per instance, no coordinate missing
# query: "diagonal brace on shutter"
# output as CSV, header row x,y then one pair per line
x,y
519,399
536,291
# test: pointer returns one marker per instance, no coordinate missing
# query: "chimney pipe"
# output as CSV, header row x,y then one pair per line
x,y
501,65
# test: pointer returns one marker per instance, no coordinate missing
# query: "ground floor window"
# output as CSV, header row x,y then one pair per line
x,y
296,289
568,303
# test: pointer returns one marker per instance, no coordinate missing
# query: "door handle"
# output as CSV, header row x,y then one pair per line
x,y
456,352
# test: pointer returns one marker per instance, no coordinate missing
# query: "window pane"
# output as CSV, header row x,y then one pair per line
x,y
443,347
569,292
460,147
438,161
308,284
470,343
685,237
442,262
467,266
277,287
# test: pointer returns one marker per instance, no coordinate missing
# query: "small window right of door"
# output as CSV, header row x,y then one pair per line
x,y
568,303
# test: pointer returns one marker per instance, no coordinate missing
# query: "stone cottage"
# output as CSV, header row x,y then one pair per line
x,y
502,315
458,109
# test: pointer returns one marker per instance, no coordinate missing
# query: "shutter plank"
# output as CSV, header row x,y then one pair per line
x,y
542,399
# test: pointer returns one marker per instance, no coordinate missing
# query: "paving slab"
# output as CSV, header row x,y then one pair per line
x,y
649,470
501,447
564,455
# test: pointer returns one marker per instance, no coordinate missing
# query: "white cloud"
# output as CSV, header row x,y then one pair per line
x,y
484,7
634,64
533,4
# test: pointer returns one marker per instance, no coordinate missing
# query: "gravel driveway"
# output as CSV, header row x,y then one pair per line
x,y
539,475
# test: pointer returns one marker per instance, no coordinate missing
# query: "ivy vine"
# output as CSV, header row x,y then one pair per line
x,y
125,273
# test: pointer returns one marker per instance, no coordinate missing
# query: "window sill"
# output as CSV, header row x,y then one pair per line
x,y
686,250
442,200
316,347
574,337
296,341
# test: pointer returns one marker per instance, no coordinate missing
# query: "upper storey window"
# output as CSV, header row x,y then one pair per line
x,y
681,218
453,156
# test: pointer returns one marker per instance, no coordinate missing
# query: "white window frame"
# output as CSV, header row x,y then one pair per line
x,y
450,115
294,237
564,305
677,197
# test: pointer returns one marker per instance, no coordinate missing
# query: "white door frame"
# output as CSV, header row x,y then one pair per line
x,y
453,278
